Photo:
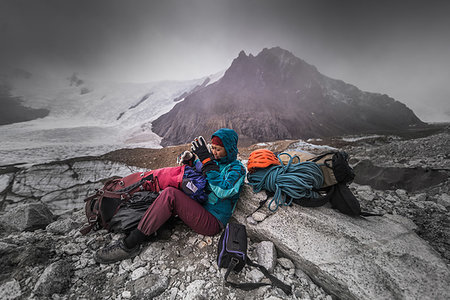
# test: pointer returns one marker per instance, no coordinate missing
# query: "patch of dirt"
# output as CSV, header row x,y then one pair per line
x,y
167,157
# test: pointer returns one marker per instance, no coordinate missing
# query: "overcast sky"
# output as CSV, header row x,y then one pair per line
x,y
400,48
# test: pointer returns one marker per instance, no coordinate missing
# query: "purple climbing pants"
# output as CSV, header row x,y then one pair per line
x,y
173,202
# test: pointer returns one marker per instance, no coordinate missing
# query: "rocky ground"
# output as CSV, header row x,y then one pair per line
x,y
55,261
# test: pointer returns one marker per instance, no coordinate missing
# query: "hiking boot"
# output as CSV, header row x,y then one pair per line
x,y
115,252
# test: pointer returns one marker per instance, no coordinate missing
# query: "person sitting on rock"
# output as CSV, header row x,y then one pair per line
x,y
225,175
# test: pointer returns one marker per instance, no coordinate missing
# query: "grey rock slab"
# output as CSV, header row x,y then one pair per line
x,y
40,180
27,217
353,258
62,201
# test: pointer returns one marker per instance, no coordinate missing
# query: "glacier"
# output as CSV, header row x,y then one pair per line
x,y
91,117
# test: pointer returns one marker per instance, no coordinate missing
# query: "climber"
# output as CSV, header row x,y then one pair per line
x,y
225,175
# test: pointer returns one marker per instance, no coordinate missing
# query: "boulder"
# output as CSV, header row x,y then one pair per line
x,y
27,217
353,258
54,280
10,290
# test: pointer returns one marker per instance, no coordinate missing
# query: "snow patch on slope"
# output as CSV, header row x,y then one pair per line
x,y
83,118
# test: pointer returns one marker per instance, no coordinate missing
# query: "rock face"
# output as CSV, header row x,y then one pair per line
x,y
62,186
276,95
354,258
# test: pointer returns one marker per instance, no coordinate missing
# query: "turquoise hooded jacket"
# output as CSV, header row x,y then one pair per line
x,y
225,184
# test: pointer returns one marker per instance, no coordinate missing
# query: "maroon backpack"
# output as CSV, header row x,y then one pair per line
x,y
101,207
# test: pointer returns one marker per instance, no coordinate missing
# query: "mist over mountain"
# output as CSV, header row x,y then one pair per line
x,y
276,95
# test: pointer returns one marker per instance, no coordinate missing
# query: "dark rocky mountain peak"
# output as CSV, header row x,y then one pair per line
x,y
276,95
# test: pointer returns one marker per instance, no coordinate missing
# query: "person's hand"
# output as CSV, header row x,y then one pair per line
x,y
200,148
185,158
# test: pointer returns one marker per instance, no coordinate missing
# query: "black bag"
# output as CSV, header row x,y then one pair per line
x,y
335,167
102,206
130,212
232,254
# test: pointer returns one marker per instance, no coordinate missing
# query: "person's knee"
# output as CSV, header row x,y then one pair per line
x,y
167,195
168,191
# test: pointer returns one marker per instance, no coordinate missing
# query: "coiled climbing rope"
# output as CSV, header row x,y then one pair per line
x,y
292,181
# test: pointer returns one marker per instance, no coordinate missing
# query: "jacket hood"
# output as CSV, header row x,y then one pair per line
x,y
229,139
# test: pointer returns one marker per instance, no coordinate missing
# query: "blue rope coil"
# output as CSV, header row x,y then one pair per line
x,y
293,180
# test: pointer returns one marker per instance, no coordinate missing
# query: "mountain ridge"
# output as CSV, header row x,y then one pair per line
x,y
275,95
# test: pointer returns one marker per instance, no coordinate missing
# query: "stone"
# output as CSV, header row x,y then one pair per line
x,y
138,273
173,293
259,216
401,193
444,200
194,289
267,255
252,221
54,280
286,263
255,275
27,217
327,246
150,286
5,181
71,248
152,252
364,188
62,226
365,196
421,197
10,290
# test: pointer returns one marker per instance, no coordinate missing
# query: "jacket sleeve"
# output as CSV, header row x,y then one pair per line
x,y
227,184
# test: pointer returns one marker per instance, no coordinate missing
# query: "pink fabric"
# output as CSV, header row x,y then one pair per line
x,y
174,202
172,176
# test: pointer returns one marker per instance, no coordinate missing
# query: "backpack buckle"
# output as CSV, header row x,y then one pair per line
x,y
93,219
234,262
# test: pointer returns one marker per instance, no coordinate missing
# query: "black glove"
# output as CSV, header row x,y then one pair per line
x,y
186,158
199,147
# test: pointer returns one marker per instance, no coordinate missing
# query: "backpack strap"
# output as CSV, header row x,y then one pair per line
x,y
316,202
261,203
248,286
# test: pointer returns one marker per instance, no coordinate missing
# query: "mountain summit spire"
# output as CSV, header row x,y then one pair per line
x,y
276,95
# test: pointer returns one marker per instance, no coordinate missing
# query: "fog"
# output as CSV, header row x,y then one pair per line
x,y
393,47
